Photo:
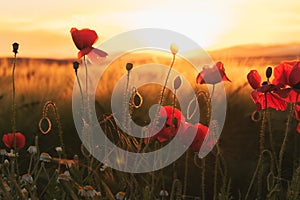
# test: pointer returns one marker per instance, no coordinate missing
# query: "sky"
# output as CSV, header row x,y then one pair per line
x,y
42,28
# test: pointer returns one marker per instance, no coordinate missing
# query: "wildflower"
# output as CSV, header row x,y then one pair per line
x,y
177,82
212,75
88,191
45,157
6,162
58,149
9,138
174,48
63,177
12,154
15,47
103,167
24,192
120,195
84,40
32,149
3,152
201,133
6,186
287,76
170,126
27,178
264,95
163,193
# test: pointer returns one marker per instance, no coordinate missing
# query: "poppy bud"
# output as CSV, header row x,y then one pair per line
x,y
269,72
129,66
177,82
15,47
174,49
75,66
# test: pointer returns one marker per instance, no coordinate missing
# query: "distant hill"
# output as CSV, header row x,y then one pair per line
x,y
257,50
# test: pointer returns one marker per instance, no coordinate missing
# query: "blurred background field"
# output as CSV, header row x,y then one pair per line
x,y
40,80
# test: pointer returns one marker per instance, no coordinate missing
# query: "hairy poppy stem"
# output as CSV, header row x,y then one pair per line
x,y
80,88
166,81
261,149
281,152
256,171
13,98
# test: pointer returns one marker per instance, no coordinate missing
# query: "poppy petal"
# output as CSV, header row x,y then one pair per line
x,y
83,38
294,78
268,100
254,79
84,51
212,75
282,73
298,128
8,140
297,112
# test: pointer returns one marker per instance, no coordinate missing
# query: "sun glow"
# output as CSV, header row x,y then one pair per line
x,y
212,24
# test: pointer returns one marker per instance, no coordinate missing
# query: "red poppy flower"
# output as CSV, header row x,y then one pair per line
x,y
8,140
263,94
201,133
297,115
84,40
287,76
170,127
212,75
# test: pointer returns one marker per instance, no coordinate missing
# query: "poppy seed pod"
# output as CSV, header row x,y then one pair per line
x,y
15,47
129,66
269,72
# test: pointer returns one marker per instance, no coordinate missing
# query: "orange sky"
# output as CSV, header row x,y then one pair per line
x,y
42,27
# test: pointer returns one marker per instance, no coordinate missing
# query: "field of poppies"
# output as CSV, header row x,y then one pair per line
x,y
256,157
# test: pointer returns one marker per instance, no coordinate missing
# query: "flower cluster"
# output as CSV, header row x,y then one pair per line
x,y
285,87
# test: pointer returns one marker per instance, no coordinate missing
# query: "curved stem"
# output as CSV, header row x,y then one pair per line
x,y
57,118
256,171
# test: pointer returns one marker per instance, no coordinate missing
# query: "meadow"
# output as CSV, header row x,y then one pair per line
x,y
238,149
